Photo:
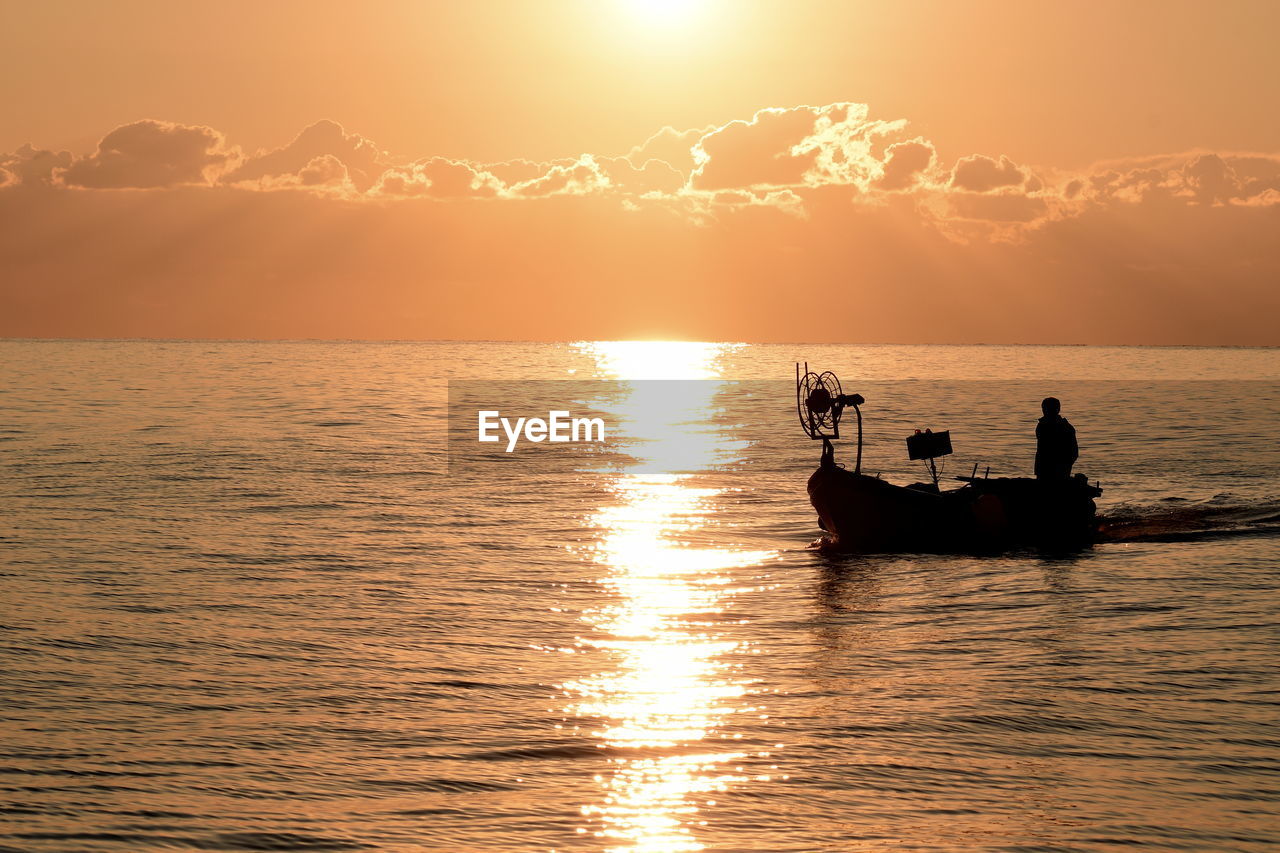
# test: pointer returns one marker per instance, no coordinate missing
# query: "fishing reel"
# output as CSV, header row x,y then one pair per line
x,y
820,402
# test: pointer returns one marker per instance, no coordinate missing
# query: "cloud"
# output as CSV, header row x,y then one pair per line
x,y
322,175
997,207
1132,186
846,146
905,164
586,175
292,264
757,152
1256,173
323,170
583,176
652,176
672,147
439,177
514,171
702,233
1266,198
979,173
148,154
836,144
30,166
784,201
1195,177
776,162
363,160
1210,180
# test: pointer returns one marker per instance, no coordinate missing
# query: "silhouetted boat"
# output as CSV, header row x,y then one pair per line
x,y
864,514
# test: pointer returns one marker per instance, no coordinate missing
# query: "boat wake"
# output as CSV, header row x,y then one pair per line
x,y
1182,520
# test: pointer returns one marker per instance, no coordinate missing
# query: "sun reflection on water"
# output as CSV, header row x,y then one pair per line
x,y
666,701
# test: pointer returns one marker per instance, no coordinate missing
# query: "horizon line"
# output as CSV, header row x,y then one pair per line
x,y
46,339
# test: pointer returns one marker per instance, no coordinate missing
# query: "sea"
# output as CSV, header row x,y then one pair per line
x,y
277,596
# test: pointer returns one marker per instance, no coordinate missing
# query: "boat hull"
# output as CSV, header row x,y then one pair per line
x,y
864,514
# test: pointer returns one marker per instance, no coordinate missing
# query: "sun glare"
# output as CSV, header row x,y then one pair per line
x,y
669,693
628,360
663,11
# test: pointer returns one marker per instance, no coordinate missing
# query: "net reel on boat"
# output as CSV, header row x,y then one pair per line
x,y
820,402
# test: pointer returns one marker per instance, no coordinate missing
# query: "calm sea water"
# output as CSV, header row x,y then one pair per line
x,y
248,604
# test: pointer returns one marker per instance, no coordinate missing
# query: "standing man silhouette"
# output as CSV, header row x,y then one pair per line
x,y
1056,448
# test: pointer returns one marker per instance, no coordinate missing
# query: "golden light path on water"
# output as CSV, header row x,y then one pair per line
x,y
666,701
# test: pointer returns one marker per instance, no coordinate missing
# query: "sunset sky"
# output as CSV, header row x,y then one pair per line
x,y
1019,172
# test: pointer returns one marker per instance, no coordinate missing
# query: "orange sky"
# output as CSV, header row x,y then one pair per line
x,y
982,171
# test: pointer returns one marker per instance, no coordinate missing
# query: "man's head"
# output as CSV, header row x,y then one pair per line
x,y
1050,406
